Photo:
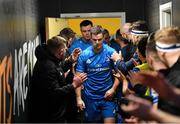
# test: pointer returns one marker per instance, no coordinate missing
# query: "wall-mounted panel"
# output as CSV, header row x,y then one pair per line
x,y
54,25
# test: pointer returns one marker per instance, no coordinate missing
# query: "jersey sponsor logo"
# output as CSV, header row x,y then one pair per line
x,y
98,69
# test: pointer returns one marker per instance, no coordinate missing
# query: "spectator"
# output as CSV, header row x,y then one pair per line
x,y
165,91
126,31
72,110
143,109
127,49
69,35
114,43
168,48
48,90
139,30
106,37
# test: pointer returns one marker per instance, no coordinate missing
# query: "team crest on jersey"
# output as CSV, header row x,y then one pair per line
x,y
88,61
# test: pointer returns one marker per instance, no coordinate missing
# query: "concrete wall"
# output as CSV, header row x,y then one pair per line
x,y
19,35
152,13
134,9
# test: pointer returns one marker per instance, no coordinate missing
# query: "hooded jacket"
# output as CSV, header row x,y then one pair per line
x,y
48,89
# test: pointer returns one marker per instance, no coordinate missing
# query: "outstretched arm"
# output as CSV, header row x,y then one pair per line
x,y
143,109
80,102
67,64
158,82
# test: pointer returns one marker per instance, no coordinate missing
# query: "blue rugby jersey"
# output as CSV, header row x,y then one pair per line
x,y
98,67
79,43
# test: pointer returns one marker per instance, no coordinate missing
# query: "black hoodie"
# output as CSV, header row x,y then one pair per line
x,y
48,89
173,76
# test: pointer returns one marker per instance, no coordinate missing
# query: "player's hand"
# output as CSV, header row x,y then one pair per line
x,y
115,56
75,54
79,79
109,94
80,104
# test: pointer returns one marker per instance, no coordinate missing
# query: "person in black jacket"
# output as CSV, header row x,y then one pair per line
x,y
167,42
48,89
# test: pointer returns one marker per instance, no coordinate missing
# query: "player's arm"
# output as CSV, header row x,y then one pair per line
x,y
80,102
143,109
79,70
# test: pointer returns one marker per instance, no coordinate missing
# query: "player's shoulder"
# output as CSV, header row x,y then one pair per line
x,y
108,48
87,51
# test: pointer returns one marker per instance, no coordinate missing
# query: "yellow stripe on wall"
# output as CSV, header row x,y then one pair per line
x,y
111,24
54,25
